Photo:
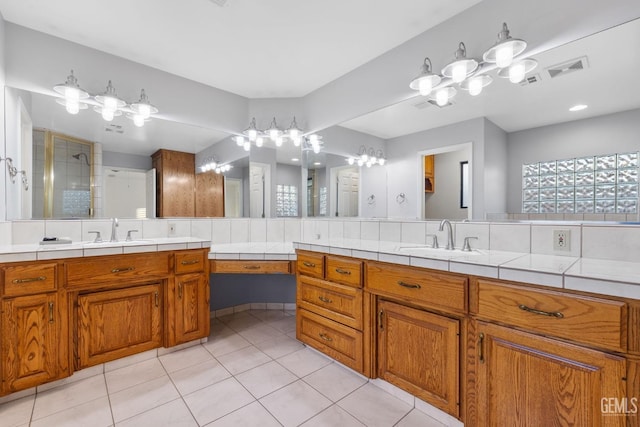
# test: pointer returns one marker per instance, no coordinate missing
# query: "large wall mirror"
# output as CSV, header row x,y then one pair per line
x,y
530,122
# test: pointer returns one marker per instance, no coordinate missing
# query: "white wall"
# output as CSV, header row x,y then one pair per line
x,y
444,202
495,170
618,133
3,168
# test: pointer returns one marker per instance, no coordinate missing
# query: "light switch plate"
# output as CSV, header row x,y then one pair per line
x,y
562,240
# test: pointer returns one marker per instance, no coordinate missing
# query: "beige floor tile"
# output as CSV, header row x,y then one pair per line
x,y
374,407
253,414
243,360
172,414
217,400
280,346
142,397
295,403
134,374
240,321
185,358
285,325
69,396
199,376
333,416
95,413
334,381
219,346
303,362
268,315
416,418
17,412
265,379
259,333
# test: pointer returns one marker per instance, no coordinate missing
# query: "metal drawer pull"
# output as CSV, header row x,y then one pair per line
x,y
29,280
556,314
157,300
341,271
325,299
408,285
180,290
251,267
50,312
121,270
481,348
325,337
190,262
308,264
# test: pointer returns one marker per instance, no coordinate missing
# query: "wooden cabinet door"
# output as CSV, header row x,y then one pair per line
x,y
418,352
118,323
29,341
529,380
209,194
191,317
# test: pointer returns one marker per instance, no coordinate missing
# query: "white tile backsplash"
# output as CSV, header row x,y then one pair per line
x,y
292,230
370,230
201,228
275,230
336,229
152,228
470,229
220,231
353,229
510,237
390,231
5,233
413,232
258,230
68,229
27,232
240,229
621,242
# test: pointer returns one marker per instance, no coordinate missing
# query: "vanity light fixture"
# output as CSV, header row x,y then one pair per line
x,y
72,94
108,104
212,164
471,75
368,157
274,133
505,49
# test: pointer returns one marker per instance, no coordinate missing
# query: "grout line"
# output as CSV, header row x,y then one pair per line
x,y
106,386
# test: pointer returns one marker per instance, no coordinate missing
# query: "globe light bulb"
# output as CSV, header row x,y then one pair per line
x,y
504,55
516,72
144,110
73,107
351,160
107,114
279,141
442,97
459,73
425,87
475,86
360,162
252,134
313,138
273,134
369,164
71,94
316,148
138,120
381,161
297,141
110,103
259,141
240,141
246,146
294,133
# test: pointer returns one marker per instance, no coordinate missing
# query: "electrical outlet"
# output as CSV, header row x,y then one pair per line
x,y
562,240
172,229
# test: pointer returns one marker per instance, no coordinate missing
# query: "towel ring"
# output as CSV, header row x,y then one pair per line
x,y
401,198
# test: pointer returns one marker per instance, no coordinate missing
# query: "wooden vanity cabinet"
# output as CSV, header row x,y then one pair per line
x,y
116,323
188,298
175,183
525,379
420,317
33,337
330,305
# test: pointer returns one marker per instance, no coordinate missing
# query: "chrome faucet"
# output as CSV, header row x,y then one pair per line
x,y
114,225
449,233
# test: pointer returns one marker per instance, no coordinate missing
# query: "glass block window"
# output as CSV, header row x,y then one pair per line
x,y
286,200
323,201
594,184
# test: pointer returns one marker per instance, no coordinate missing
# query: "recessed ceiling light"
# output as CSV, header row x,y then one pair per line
x,y
295,159
578,107
317,163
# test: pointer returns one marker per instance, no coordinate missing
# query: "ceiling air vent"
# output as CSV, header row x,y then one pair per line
x,y
424,104
568,67
528,80
114,128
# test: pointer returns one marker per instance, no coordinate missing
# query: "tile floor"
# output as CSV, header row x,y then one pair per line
x,y
251,372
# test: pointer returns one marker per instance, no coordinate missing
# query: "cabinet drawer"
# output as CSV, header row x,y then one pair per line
x,y
189,262
29,279
337,302
344,270
311,264
439,290
250,267
104,269
335,340
584,319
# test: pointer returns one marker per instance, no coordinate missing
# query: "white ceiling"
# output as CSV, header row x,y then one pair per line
x,y
254,48
605,86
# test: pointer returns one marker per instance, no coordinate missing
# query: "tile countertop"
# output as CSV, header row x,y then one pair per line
x,y
35,251
606,277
